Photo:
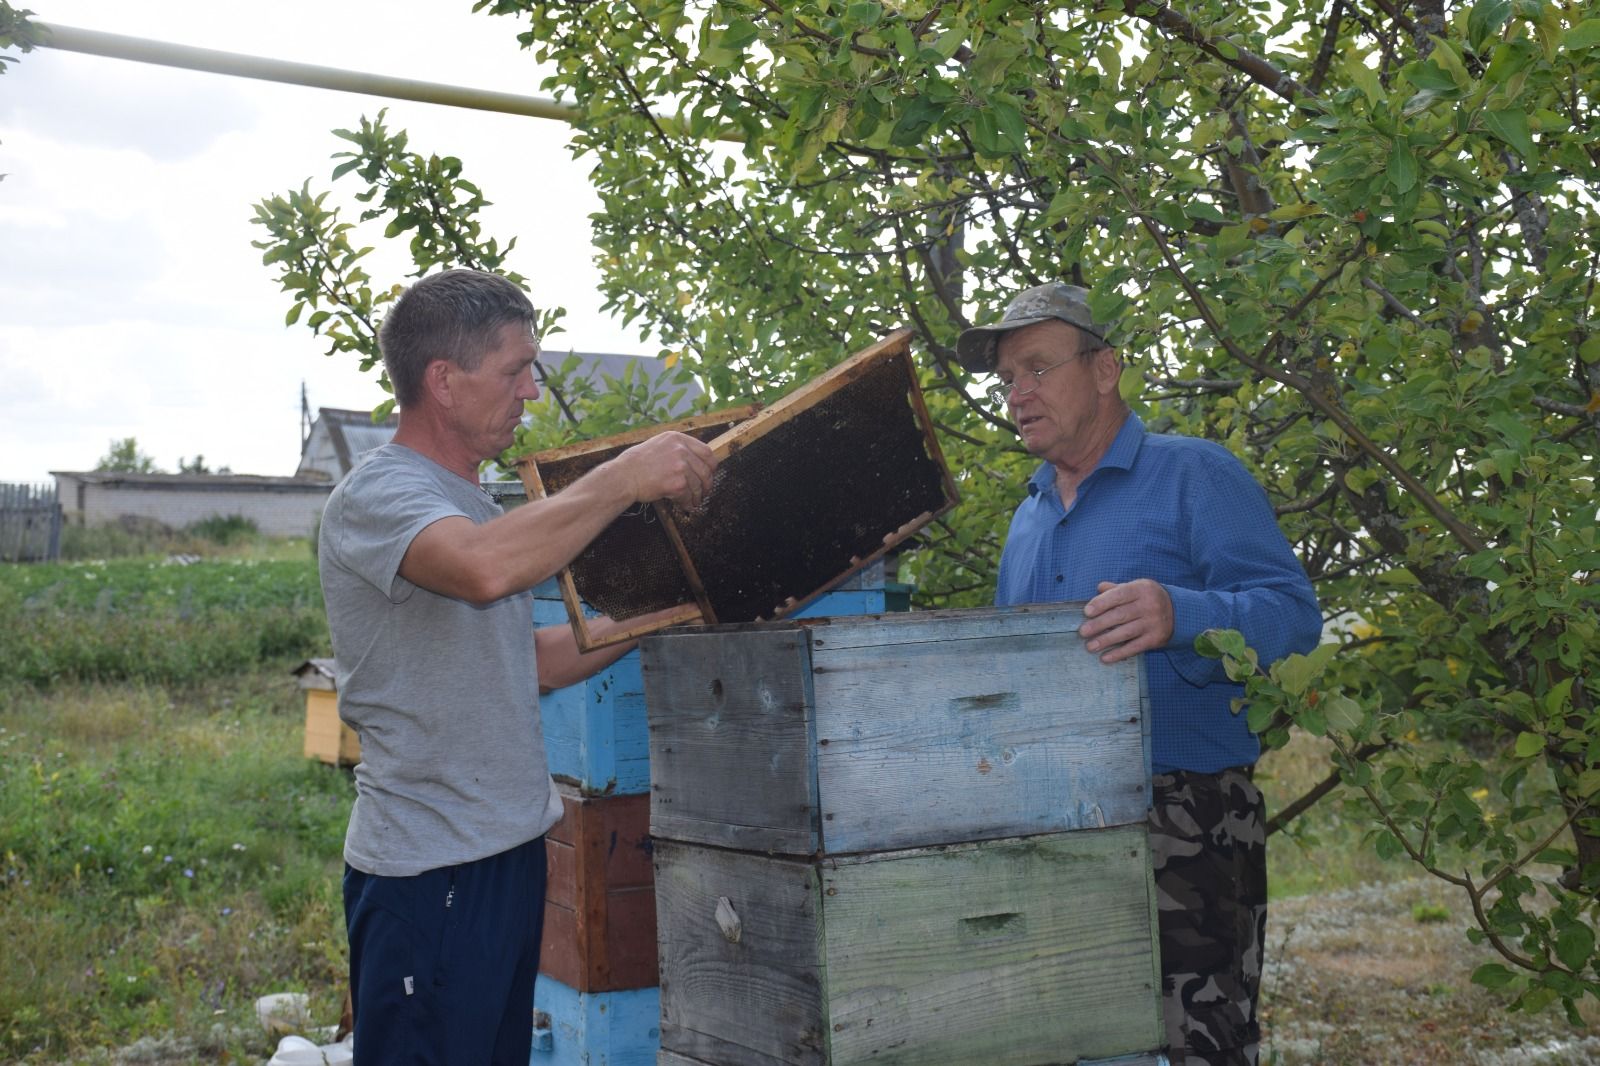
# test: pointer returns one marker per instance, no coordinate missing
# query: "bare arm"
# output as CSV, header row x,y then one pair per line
x,y
483,563
562,664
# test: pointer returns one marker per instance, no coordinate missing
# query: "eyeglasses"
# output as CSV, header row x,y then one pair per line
x,y
1000,393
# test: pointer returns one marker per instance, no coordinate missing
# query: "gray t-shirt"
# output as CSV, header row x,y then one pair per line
x,y
444,695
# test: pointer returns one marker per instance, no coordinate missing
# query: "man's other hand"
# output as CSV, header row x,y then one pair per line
x,y
1127,619
670,466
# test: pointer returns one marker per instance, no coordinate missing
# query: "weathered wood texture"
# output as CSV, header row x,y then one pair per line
x,y
757,1000
872,733
595,733
1015,952
599,914
731,736
30,523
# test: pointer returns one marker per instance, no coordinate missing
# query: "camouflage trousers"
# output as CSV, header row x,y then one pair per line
x,y
1209,847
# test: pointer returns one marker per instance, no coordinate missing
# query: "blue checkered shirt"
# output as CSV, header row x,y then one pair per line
x,y
1184,512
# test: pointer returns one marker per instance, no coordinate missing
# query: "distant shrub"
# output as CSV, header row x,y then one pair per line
x,y
1423,913
127,537
225,529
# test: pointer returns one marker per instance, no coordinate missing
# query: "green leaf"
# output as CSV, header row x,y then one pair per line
x,y
1512,128
1529,745
1486,19
1574,945
1297,672
1588,783
916,119
1585,34
1429,75
1448,56
1555,701
1130,386
1492,975
1215,643
1402,165
1342,713
1232,241
866,13
1012,126
1290,212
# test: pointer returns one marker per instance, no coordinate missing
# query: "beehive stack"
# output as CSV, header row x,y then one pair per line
x,y
597,997
913,839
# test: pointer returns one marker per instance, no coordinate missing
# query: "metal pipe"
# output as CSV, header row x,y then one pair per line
x,y
141,50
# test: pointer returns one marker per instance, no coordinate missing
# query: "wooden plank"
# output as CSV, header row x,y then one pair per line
x,y
982,738
1007,953
751,1001
691,573
810,394
598,1028
948,625
930,439
672,1058
618,442
600,923
689,612
731,740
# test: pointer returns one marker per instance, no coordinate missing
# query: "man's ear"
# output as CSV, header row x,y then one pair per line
x,y
436,382
1108,370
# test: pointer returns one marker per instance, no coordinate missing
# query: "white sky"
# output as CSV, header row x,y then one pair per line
x,y
131,301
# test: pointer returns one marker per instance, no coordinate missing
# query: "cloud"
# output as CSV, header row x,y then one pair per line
x,y
165,114
134,303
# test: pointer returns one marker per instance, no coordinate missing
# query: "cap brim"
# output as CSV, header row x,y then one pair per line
x,y
975,348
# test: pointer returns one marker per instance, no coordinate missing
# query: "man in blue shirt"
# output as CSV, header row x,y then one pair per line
x,y
1164,537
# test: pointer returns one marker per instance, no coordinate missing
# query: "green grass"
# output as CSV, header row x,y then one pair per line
x,y
167,855
154,620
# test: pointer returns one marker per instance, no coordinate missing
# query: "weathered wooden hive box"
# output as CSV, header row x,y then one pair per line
x,y
901,839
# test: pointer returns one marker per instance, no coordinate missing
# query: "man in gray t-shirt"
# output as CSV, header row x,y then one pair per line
x,y
439,669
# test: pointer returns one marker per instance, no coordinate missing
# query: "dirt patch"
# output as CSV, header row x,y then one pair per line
x,y
1354,977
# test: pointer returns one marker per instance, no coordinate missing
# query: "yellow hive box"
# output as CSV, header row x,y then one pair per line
x,y
327,737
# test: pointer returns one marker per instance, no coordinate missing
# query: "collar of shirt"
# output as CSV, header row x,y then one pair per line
x,y
1120,456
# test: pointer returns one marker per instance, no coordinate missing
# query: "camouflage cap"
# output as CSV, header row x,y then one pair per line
x,y
1057,299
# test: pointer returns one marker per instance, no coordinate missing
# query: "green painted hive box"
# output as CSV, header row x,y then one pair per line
x,y
909,839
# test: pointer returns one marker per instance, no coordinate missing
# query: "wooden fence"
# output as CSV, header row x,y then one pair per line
x,y
30,523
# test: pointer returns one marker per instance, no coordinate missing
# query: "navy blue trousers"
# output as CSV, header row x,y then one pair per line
x,y
442,964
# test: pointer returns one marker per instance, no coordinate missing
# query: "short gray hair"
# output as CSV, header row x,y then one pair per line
x,y
456,316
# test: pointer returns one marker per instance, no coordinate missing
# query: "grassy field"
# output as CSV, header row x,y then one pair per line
x,y
169,855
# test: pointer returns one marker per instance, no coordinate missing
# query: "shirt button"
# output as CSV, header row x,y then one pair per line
x,y
1061,577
